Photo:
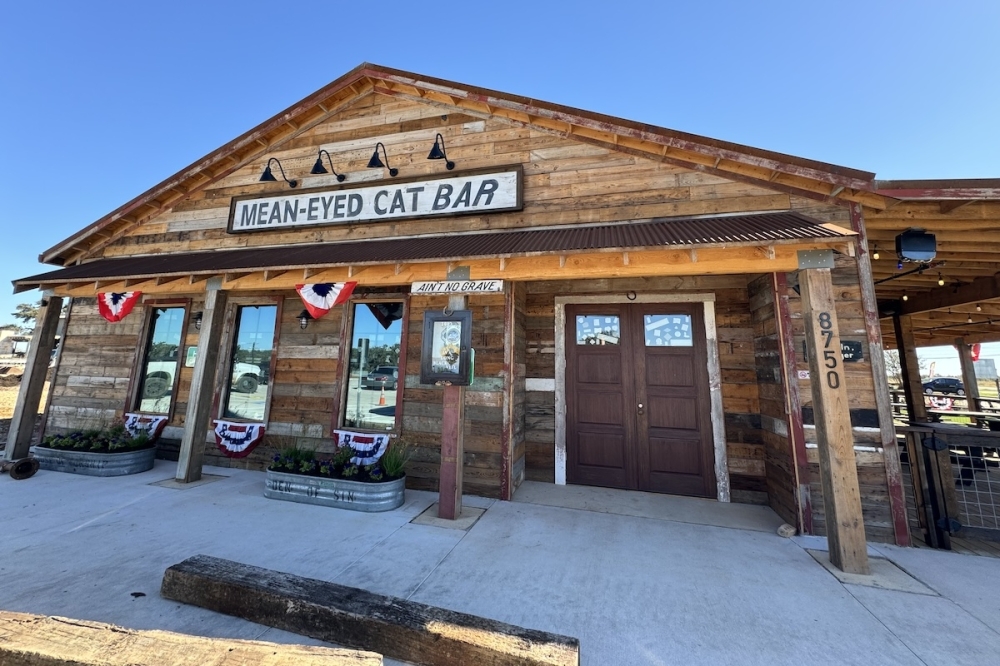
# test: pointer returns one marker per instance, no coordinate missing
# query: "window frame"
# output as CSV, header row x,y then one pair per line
x,y
223,378
346,341
139,359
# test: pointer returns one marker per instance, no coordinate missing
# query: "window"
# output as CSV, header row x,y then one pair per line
x,y
598,329
160,364
374,374
250,362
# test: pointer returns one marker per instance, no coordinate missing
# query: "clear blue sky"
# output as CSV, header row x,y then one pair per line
x,y
102,100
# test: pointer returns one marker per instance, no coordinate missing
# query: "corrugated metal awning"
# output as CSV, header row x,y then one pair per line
x,y
736,230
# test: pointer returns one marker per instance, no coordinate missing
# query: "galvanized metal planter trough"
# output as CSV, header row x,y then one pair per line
x,y
339,493
95,464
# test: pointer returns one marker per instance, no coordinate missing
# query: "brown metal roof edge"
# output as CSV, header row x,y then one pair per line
x,y
609,123
930,190
34,281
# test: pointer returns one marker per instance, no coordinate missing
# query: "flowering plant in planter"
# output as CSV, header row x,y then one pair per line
x,y
115,439
296,460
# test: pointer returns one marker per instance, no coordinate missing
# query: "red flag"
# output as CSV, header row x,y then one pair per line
x,y
976,348
115,307
321,297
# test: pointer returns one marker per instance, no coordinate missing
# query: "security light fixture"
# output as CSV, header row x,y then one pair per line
x,y
318,168
376,163
197,319
438,152
267,176
304,319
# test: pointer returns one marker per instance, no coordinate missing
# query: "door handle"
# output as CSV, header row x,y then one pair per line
x,y
640,409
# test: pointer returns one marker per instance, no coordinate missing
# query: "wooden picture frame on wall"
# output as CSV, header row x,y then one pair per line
x,y
445,348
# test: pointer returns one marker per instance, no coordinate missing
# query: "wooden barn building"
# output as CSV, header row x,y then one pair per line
x,y
651,310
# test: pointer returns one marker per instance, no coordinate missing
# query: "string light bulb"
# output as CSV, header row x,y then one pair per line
x,y
969,320
979,307
940,280
875,253
905,297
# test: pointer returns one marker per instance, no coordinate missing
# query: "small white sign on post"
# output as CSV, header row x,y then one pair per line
x,y
458,287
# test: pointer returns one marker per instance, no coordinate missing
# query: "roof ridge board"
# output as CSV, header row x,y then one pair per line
x,y
857,179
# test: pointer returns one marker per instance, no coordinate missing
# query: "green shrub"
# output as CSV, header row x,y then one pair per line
x,y
393,461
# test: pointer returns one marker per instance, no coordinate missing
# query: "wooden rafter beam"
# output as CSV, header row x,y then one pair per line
x,y
980,289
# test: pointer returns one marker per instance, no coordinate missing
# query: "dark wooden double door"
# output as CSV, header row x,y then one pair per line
x,y
638,411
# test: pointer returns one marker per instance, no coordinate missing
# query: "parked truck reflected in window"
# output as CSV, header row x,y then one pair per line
x,y
250,362
160,361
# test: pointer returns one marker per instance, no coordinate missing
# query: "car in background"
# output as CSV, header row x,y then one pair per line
x,y
944,385
160,379
384,376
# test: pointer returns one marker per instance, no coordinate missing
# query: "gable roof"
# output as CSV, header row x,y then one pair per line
x,y
774,170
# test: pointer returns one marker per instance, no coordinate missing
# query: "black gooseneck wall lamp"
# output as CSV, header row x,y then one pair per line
x,y
438,152
267,176
376,163
318,168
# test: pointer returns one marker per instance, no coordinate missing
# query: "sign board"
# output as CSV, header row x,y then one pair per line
x,y
458,287
468,193
850,350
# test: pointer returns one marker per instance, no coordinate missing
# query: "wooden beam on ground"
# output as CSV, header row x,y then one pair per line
x,y
36,366
192,451
845,526
35,640
452,441
397,628
980,289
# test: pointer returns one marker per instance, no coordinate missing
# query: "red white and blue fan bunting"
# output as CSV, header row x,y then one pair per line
x,y
319,298
237,440
115,306
144,423
369,448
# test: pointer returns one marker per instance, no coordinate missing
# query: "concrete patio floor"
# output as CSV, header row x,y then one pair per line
x,y
638,578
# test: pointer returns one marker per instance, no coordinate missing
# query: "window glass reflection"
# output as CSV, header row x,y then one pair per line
x,y
375,375
250,362
598,330
161,364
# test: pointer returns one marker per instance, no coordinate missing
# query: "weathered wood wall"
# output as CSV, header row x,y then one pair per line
x,y
777,458
566,182
864,413
92,382
422,403
518,389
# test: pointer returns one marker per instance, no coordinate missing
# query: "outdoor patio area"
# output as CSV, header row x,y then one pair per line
x,y
638,578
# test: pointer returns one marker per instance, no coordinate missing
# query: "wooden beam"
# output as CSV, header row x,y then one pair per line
x,y
36,640
883,400
980,289
398,628
452,441
948,206
36,366
200,399
913,390
845,526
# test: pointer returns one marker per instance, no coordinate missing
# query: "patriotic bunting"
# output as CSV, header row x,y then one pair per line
x,y
321,297
237,440
369,448
115,306
144,423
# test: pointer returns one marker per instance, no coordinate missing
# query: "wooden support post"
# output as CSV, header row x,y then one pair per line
x,y
883,399
845,527
452,442
793,403
199,405
910,369
36,366
968,374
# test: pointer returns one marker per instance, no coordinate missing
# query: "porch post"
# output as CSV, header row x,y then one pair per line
x,y
910,369
36,364
845,527
968,374
452,442
192,452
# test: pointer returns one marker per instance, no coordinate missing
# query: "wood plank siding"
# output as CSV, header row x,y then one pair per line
x,y
510,425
